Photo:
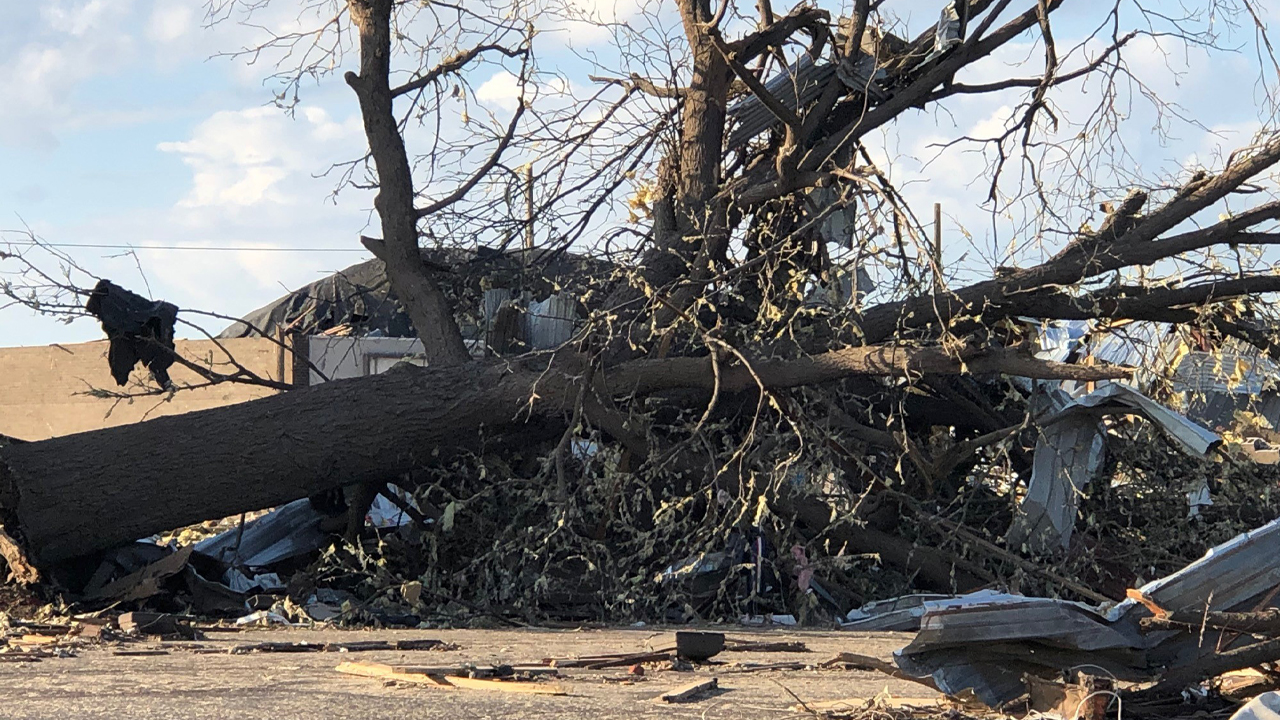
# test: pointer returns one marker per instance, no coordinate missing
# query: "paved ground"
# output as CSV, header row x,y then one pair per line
x,y
184,684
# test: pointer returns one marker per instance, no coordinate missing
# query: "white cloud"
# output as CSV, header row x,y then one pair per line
x,y
66,45
501,90
80,19
170,21
250,157
582,23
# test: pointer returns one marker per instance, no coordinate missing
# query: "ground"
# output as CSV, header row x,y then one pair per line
x,y
96,683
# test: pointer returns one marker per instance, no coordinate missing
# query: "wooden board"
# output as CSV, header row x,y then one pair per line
x,y
414,675
690,692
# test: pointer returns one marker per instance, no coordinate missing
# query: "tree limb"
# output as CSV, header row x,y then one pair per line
x,y
453,64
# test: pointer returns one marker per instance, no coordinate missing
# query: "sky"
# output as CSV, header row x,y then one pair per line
x,y
122,127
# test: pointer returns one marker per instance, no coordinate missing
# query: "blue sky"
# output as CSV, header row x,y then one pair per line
x,y
119,127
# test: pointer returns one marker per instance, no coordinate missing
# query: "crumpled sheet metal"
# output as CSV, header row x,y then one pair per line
x,y
288,531
1068,455
797,86
1070,451
1227,577
900,614
984,642
1263,707
1117,399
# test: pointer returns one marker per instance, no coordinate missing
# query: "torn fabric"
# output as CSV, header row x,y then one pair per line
x,y
140,331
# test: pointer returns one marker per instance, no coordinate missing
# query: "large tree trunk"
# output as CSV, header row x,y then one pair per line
x,y
426,304
91,491
78,494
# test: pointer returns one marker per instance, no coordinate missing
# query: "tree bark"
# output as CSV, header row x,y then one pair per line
x,y
425,303
78,494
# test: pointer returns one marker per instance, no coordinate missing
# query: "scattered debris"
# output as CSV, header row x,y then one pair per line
x,y
145,582
1088,698
848,707
988,642
602,662
359,646
767,647
690,693
262,617
699,646
151,623
452,678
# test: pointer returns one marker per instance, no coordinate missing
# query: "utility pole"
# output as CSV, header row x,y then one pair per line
x,y
528,206
937,248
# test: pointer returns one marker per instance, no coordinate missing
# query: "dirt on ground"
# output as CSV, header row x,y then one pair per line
x,y
191,680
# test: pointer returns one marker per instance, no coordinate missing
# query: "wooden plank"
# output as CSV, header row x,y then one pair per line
x,y
414,675
388,672
691,692
32,640
746,646
866,662
625,660
596,662
752,667
473,670
511,686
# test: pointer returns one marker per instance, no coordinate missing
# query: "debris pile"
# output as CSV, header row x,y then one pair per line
x,y
1043,543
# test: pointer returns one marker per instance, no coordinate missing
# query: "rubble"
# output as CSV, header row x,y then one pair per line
x,y
989,643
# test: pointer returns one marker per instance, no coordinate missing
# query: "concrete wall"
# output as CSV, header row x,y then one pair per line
x,y
39,386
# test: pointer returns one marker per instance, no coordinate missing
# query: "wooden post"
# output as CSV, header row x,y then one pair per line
x,y
528,207
937,247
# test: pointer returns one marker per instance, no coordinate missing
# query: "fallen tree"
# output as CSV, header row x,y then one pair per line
x,y
73,495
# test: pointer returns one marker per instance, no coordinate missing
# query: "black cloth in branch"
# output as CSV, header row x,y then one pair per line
x,y
140,331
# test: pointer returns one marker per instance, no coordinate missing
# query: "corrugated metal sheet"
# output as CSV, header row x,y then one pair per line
x,y
549,323
984,642
1070,452
1224,372
1068,455
796,87
900,613
1228,576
